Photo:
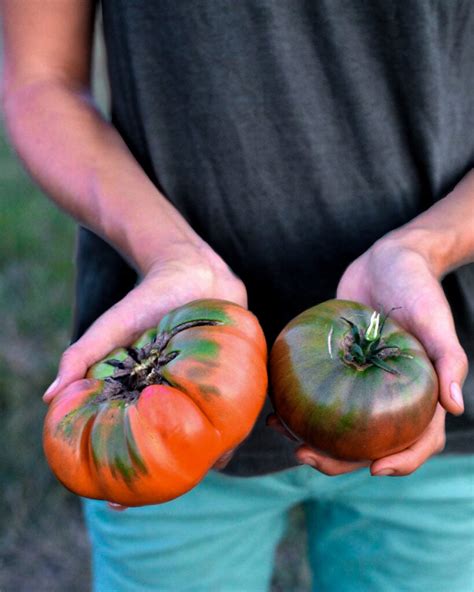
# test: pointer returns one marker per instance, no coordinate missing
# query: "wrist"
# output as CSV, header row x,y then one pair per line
x,y
436,246
205,273
444,234
147,248
198,257
139,221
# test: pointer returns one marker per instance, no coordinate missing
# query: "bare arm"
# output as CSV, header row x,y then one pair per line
x,y
77,157
85,167
444,234
404,269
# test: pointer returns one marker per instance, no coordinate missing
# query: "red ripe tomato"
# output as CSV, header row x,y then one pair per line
x,y
149,421
351,383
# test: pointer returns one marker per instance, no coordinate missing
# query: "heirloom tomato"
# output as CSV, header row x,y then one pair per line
x,y
351,383
150,420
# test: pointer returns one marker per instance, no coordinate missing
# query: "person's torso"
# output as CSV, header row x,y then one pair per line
x,y
294,134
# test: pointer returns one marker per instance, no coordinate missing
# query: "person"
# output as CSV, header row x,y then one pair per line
x,y
274,154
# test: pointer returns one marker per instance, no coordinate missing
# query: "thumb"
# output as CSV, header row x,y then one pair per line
x,y
122,324
433,324
451,367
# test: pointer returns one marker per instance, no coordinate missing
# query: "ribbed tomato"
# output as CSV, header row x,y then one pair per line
x,y
149,421
350,383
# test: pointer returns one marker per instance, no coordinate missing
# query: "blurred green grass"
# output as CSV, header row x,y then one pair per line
x,y
39,521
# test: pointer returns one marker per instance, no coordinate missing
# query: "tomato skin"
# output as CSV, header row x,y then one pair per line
x,y
156,446
350,413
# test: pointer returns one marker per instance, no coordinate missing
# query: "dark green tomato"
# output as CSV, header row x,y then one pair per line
x,y
351,397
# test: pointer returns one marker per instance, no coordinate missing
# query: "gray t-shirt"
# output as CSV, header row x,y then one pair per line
x,y
292,135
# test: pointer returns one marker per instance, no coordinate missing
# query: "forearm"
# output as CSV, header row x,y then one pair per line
x,y
82,163
444,234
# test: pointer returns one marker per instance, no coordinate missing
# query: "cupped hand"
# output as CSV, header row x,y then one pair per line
x,y
392,274
177,277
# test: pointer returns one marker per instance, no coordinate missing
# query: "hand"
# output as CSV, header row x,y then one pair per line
x,y
179,276
394,273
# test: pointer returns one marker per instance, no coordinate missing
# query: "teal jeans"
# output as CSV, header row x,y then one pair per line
x,y
365,534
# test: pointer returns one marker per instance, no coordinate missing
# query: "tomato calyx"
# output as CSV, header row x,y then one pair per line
x,y
143,365
363,348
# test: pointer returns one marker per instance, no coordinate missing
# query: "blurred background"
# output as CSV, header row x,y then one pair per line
x,y
43,543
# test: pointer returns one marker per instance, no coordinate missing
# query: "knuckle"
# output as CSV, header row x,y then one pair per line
x,y
408,467
406,470
455,357
463,361
70,355
73,360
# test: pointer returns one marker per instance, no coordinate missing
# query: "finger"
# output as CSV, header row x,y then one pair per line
x,y
309,456
348,289
120,325
431,321
326,464
117,507
224,460
431,442
274,422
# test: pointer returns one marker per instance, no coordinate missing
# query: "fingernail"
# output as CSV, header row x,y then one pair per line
x,y
52,386
456,394
383,473
117,507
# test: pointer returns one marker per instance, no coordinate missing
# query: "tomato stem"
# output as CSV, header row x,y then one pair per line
x,y
143,366
363,348
373,332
